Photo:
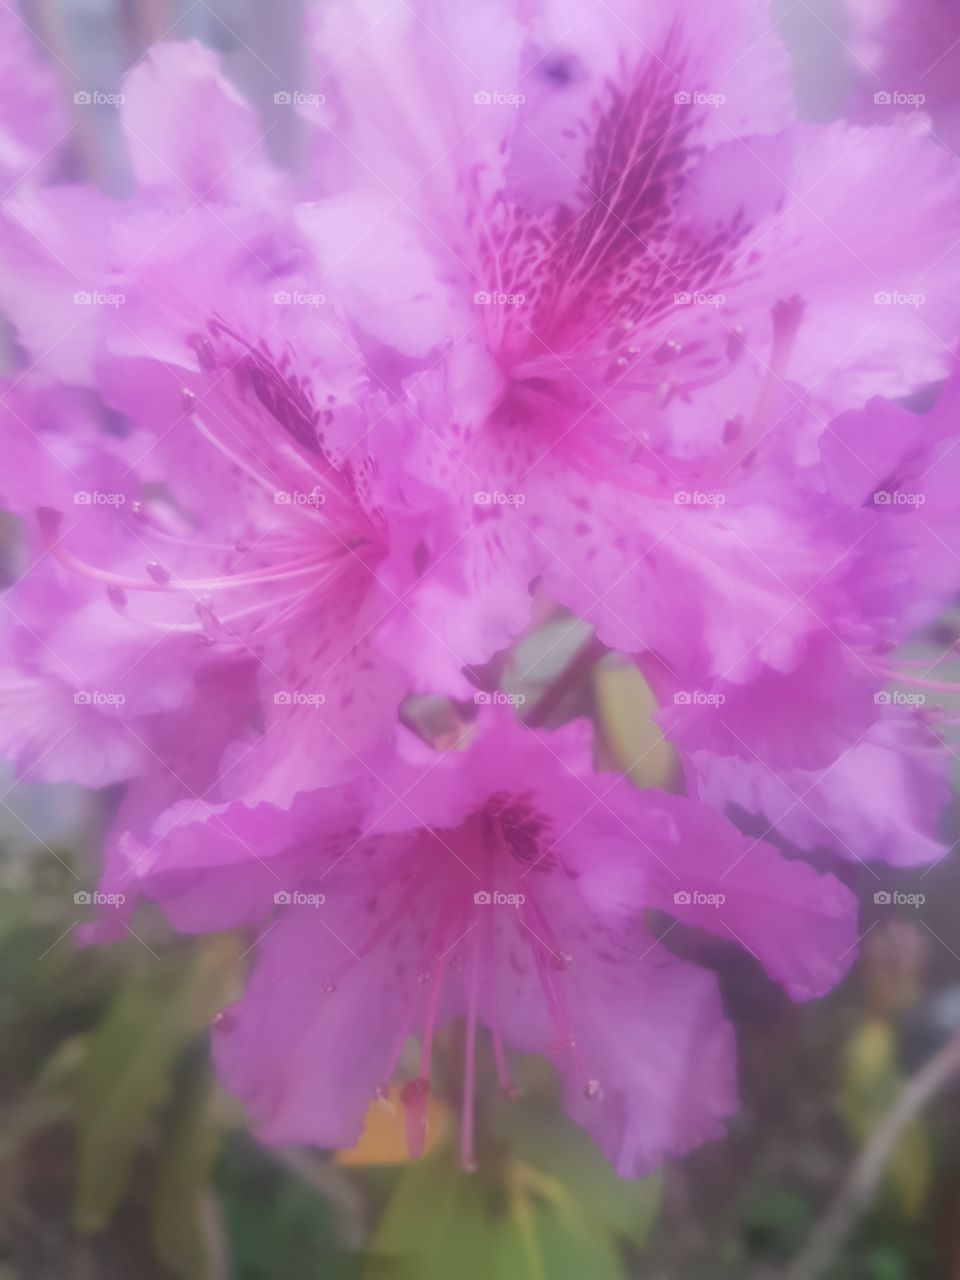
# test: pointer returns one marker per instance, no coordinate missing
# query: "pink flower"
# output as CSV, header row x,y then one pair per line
x,y
33,126
250,508
905,59
845,750
582,312
506,884
643,277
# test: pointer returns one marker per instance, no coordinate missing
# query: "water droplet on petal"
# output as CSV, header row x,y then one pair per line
x,y
117,595
667,351
563,1044
456,964
49,520
157,572
561,960
224,1021
209,622
593,1091
423,977
328,987
188,399
414,1097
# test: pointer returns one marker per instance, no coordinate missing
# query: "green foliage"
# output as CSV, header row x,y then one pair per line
x,y
543,1137
183,1176
871,1080
127,1073
278,1228
514,1222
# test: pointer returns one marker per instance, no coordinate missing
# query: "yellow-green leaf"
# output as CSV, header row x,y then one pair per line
x,y
626,705
131,1055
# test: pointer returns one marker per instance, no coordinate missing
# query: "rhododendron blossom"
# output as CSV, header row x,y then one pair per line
x,y
504,882
568,320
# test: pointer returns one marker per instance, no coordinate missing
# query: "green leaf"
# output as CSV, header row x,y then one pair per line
x,y
512,1222
278,1227
127,1072
634,740
871,1081
183,1179
546,1138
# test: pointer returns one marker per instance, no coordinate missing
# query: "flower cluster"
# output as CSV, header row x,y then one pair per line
x,y
571,318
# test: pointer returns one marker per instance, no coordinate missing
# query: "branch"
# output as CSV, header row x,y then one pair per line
x,y
576,670
861,1183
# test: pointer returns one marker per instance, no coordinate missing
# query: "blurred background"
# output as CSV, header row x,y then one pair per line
x,y
119,1157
